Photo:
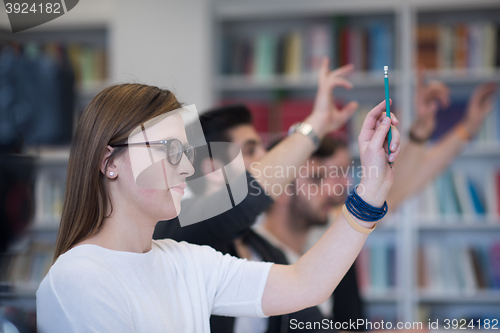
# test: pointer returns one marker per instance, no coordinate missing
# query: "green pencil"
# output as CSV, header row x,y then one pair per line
x,y
387,106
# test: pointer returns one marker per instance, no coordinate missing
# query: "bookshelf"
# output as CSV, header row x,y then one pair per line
x,y
267,24
29,257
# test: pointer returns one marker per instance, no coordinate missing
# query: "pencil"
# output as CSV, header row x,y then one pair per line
x,y
387,106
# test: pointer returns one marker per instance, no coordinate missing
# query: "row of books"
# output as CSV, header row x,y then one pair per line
x,y
89,64
23,271
376,268
299,52
458,270
49,199
278,116
474,45
455,198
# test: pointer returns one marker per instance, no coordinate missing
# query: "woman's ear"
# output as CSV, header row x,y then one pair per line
x,y
111,171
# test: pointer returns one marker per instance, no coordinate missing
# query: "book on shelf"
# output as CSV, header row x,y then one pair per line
x,y
265,53
427,46
448,118
293,54
455,198
460,46
380,46
49,198
297,53
319,44
376,268
89,64
458,270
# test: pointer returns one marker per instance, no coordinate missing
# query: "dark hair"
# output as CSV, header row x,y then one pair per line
x,y
327,148
218,121
109,119
216,124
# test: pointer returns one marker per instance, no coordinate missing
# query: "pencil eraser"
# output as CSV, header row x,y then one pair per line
x,y
386,68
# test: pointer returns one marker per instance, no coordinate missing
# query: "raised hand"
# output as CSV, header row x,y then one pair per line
x,y
479,106
427,100
326,117
378,175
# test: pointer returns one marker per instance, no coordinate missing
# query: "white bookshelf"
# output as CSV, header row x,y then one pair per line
x,y
467,226
245,83
482,297
412,228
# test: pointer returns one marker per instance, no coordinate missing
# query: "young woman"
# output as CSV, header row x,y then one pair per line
x,y
109,276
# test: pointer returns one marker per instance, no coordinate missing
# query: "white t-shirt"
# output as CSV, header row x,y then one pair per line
x,y
172,288
251,324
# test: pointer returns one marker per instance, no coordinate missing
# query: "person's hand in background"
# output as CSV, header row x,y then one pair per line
x,y
326,117
479,106
428,98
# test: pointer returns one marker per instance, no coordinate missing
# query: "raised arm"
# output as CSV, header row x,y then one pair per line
x,y
436,159
428,97
312,279
325,117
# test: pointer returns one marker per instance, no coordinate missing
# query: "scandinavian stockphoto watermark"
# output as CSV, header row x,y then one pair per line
x,y
323,180
26,14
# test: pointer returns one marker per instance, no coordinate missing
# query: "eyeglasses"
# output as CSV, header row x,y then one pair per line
x,y
173,148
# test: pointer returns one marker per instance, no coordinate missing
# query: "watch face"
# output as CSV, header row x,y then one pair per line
x,y
305,128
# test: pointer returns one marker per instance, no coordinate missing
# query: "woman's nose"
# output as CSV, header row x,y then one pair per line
x,y
185,167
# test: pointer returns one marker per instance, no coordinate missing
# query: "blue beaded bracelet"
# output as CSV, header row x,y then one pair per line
x,y
362,210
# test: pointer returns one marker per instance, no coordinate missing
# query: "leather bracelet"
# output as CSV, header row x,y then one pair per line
x,y
462,132
355,225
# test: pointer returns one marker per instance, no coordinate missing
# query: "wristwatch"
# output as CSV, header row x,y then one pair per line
x,y
307,130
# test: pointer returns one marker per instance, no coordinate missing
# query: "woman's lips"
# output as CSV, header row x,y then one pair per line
x,y
179,188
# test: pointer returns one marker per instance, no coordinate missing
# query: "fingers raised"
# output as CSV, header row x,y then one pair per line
x,y
377,141
370,122
438,90
344,70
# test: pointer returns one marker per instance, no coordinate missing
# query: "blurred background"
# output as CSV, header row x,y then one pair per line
x,y
441,257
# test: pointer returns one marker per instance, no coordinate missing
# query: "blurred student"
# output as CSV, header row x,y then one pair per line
x,y
289,221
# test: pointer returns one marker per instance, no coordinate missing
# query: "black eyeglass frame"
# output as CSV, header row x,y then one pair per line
x,y
166,143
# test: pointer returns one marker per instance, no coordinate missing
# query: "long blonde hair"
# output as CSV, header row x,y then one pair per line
x,y
108,119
